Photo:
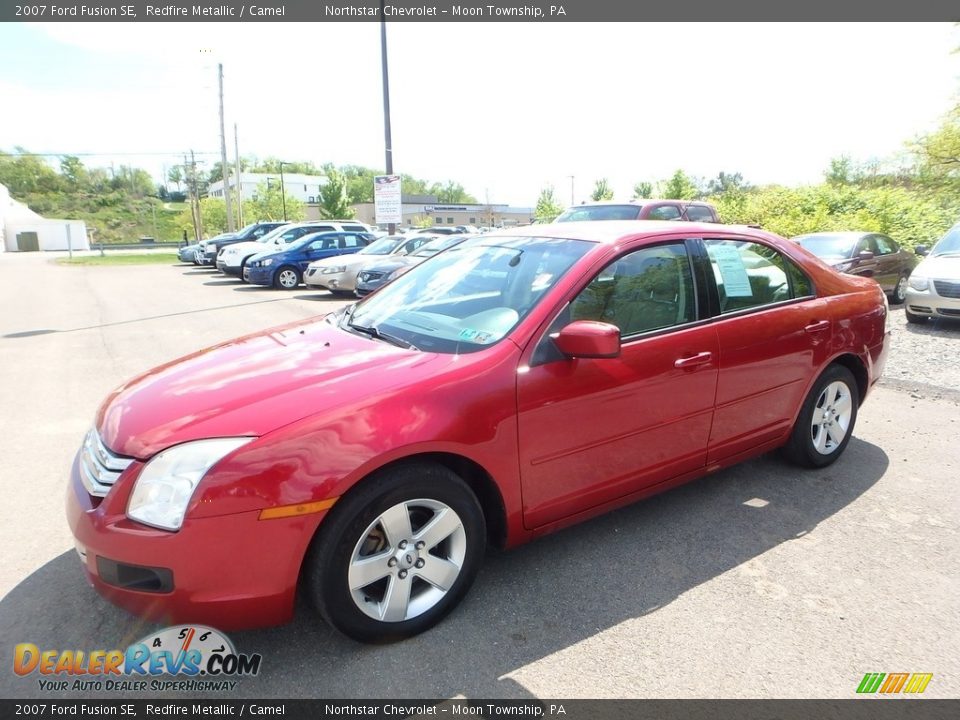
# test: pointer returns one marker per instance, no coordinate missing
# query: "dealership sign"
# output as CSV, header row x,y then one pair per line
x,y
386,199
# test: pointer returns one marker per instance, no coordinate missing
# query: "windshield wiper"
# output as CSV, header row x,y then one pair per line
x,y
375,332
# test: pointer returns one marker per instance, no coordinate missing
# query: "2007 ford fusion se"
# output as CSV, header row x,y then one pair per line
x,y
518,383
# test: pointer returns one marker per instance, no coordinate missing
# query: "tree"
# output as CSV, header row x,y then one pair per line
x,y
642,190
840,171
548,207
727,182
679,187
939,152
334,201
451,193
602,190
73,170
175,175
268,204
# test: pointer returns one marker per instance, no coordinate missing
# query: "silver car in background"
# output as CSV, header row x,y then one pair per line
x,y
934,287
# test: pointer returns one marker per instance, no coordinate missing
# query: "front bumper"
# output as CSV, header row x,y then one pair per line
x,y
226,269
231,571
339,282
931,303
258,275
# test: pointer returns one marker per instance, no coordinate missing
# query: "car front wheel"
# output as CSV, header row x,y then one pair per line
x,y
394,557
286,278
826,420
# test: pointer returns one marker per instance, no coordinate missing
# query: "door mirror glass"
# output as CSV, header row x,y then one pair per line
x,y
865,255
922,250
589,339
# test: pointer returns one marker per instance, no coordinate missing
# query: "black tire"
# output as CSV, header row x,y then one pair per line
x,y
915,319
243,265
801,448
329,560
287,271
342,293
899,293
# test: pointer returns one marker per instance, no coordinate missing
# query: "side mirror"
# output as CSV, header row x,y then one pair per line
x,y
589,339
865,255
922,250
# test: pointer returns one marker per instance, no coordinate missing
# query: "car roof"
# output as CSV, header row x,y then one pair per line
x,y
612,231
639,202
850,234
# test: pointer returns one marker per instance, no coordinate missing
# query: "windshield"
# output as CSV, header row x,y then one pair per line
x,y
828,245
600,212
383,246
271,235
435,246
949,244
470,296
246,229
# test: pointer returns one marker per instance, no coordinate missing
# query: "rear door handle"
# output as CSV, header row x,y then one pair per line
x,y
703,358
818,326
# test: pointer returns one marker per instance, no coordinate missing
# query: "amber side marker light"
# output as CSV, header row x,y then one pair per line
x,y
299,509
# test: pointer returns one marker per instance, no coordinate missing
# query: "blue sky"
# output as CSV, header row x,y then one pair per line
x,y
503,108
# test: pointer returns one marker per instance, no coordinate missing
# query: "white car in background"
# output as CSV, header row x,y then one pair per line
x,y
934,286
339,274
232,258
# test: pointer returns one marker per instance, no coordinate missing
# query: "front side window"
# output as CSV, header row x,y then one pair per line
x,y
750,274
468,297
648,289
885,245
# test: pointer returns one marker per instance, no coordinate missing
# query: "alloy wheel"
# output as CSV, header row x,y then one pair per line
x,y
831,417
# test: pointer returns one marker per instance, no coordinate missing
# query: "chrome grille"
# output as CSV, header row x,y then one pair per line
x,y
947,289
366,276
99,468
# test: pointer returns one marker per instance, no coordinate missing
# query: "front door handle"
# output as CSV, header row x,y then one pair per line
x,y
703,358
818,326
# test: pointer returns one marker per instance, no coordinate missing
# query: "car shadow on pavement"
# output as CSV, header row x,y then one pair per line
x,y
200,271
527,604
223,281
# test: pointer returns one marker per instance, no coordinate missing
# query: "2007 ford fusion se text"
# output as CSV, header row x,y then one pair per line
x,y
517,383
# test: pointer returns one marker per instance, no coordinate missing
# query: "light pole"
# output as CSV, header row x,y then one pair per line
x,y
387,140
283,191
571,189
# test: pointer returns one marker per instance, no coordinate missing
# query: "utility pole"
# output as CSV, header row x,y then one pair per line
x,y
223,158
571,190
236,160
195,200
388,141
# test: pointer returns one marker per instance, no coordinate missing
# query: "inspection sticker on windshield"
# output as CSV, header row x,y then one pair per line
x,y
733,274
468,334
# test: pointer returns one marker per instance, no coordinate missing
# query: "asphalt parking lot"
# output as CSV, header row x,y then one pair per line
x,y
759,581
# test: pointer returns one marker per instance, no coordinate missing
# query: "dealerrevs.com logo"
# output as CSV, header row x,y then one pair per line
x,y
205,657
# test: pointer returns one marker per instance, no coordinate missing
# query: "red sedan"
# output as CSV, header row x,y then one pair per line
x,y
518,383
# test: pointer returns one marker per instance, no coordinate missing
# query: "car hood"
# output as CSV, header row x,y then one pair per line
x,y
248,246
351,260
255,384
944,267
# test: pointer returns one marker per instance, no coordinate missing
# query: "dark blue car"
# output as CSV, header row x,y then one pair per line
x,y
284,268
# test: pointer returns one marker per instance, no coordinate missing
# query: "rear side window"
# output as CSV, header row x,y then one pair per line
x,y
355,228
664,212
699,213
750,275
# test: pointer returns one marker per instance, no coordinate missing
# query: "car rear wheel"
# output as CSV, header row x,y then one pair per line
x,y
899,293
398,554
826,420
286,278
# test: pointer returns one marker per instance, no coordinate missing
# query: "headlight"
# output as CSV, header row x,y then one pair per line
x,y
919,283
166,483
266,263
843,266
334,269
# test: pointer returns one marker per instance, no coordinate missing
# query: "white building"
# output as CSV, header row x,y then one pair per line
x,y
305,188
21,229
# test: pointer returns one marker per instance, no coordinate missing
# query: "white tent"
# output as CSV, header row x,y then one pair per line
x,y
23,229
